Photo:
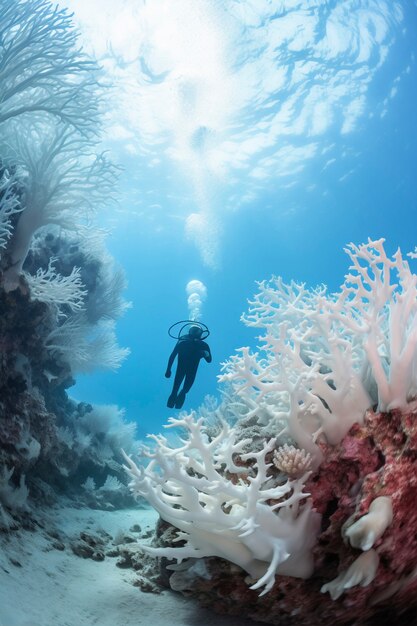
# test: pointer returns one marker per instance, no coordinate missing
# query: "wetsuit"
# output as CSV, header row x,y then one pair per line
x,y
189,351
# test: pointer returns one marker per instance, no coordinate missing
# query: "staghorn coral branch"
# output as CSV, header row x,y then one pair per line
x,y
216,516
57,290
323,355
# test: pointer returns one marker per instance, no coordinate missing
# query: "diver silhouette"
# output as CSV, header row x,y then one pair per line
x,y
190,349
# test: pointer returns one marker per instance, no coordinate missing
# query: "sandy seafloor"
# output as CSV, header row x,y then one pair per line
x,y
42,586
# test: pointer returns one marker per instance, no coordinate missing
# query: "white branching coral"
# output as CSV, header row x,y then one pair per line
x,y
224,509
291,460
49,286
83,332
324,356
9,203
378,306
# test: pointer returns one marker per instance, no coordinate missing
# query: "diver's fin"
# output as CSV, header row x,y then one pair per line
x,y
180,399
172,401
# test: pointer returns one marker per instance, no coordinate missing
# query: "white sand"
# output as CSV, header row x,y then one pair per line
x,y
57,588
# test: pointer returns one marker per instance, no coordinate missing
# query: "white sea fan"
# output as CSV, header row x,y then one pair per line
x,y
65,182
105,301
101,418
49,118
122,436
43,70
111,484
86,347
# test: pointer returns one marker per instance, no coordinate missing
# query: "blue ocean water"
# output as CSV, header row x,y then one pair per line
x,y
291,135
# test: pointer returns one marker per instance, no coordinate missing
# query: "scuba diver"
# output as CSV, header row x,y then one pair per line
x,y
190,349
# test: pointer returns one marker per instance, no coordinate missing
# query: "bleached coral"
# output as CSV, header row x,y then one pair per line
x,y
104,431
378,306
306,383
370,527
49,286
60,290
9,202
64,180
234,511
86,347
101,417
50,127
363,534
105,301
108,420
323,356
43,72
66,273
362,572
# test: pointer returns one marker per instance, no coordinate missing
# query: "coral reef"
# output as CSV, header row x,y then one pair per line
x,y
60,291
56,443
301,512
220,506
362,468
329,399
